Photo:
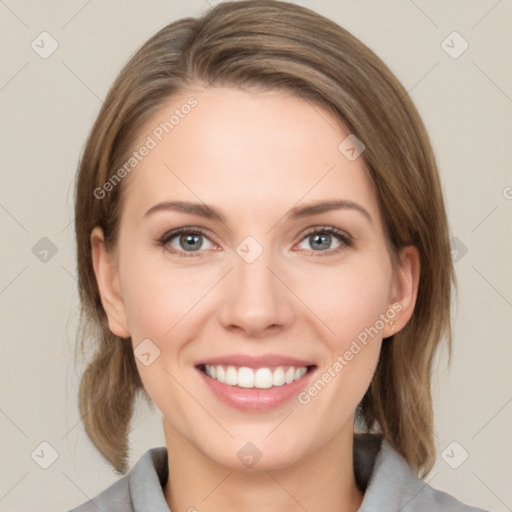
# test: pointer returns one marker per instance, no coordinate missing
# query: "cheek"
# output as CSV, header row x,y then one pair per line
x,y
350,298
159,305
156,297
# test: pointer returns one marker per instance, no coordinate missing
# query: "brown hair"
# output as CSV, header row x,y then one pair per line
x,y
276,45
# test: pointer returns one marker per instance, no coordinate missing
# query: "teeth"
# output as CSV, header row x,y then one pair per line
x,y
245,377
231,377
278,377
262,378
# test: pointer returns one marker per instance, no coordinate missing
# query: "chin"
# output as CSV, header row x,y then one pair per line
x,y
259,454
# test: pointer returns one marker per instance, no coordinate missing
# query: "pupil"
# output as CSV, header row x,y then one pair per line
x,y
189,241
322,237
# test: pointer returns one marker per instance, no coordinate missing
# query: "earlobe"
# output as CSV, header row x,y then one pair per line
x,y
406,281
107,279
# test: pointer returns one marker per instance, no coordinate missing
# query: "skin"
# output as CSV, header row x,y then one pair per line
x,y
253,156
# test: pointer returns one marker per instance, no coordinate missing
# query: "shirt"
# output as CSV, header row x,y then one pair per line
x,y
386,478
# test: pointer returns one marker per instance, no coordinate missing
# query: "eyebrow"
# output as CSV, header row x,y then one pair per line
x,y
298,212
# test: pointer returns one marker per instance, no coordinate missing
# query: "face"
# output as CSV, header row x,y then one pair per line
x,y
252,275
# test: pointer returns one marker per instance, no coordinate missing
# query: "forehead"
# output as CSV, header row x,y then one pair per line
x,y
251,150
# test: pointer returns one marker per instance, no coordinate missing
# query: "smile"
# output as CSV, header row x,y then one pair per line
x,y
255,384
261,378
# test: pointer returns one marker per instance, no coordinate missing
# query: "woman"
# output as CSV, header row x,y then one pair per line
x,y
263,252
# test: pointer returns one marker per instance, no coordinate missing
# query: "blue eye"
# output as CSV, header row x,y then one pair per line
x,y
191,241
320,239
186,240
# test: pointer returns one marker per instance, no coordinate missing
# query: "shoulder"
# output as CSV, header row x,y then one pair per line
x,y
391,486
139,490
116,497
394,487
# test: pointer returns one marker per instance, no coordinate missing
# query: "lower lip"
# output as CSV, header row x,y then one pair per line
x,y
255,399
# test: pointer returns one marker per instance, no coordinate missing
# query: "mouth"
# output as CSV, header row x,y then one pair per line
x,y
260,378
255,383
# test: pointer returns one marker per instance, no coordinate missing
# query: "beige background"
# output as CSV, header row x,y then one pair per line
x,y
47,108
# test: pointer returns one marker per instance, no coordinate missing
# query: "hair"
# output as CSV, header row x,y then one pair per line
x,y
274,45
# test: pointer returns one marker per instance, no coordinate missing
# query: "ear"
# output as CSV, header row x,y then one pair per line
x,y
404,291
107,277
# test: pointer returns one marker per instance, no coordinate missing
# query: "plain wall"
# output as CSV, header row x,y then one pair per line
x,y
47,109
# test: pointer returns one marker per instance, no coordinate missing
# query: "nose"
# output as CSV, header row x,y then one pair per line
x,y
256,300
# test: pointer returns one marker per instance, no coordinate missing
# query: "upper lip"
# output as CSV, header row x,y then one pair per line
x,y
263,361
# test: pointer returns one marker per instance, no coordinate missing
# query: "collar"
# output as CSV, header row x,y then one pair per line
x,y
384,476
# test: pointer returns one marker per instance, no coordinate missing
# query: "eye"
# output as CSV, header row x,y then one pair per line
x,y
190,241
320,239
185,240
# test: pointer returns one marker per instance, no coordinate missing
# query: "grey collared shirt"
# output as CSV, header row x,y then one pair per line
x,y
392,487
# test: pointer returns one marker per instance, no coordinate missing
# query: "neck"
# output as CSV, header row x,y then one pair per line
x,y
321,481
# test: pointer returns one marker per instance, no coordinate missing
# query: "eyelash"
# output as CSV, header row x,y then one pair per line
x,y
345,239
